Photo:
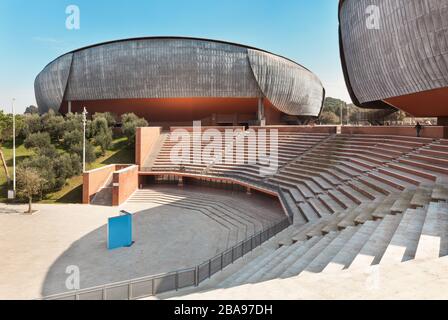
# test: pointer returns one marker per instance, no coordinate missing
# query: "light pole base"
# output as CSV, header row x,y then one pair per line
x,y
11,194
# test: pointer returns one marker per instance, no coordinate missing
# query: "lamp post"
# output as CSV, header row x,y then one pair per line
x,y
84,122
14,147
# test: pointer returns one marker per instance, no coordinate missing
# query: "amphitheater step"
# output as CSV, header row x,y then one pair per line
x,y
281,267
319,207
309,256
376,186
298,217
352,247
307,211
395,183
403,202
276,259
248,268
385,207
310,230
373,250
400,176
433,239
424,165
403,244
421,197
332,205
332,249
426,174
439,193
343,201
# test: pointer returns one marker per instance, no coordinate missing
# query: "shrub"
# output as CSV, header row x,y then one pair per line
x,y
38,140
130,123
102,134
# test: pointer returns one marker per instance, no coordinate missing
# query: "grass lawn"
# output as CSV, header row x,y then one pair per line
x,y
120,153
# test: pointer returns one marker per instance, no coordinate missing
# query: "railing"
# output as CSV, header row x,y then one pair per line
x,y
173,281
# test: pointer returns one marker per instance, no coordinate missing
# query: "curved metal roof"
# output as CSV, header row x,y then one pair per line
x,y
170,67
406,55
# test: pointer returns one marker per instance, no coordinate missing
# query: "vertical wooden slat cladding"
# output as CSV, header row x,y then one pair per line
x,y
406,55
175,67
291,88
50,85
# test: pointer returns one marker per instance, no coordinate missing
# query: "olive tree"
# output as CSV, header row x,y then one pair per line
x,y
29,184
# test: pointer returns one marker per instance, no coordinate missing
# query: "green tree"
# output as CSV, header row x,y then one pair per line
x,y
71,138
54,124
32,110
29,184
110,118
32,123
130,123
38,140
102,133
90,151
329,118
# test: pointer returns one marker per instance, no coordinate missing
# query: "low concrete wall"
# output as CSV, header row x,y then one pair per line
x,y
125,183
145,138
94,180
427,131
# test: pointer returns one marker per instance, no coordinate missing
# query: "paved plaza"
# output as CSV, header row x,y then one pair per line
x,y
36,250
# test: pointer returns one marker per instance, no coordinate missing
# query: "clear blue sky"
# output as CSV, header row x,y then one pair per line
x,y
32,33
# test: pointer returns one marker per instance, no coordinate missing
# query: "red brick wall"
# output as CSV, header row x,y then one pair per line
x,y
94,180
125,184
144,142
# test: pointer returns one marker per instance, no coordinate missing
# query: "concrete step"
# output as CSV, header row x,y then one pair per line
x,y
403,202
403,244
401,175
373,250
434,232
332,205
377,186
352,247
307,211
309,256
247,268
397,184
276,259
276,256
421,197
301,249
384,207
332,224
333,248
349,219
419,172
343,201
439,193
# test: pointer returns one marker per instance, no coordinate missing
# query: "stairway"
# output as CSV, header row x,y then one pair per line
x,y
420,233
104,196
